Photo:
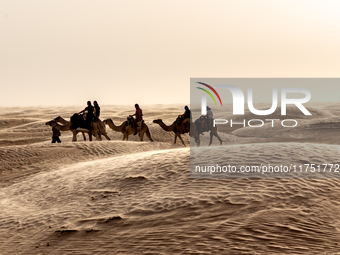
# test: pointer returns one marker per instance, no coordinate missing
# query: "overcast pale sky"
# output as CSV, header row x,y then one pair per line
x,y
123,52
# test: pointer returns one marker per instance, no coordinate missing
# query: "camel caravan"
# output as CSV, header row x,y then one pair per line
x,y
87,121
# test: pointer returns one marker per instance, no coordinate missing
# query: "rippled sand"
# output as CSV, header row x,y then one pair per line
x,y
115,197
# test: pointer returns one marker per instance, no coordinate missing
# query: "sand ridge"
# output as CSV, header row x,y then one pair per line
x,y
136,197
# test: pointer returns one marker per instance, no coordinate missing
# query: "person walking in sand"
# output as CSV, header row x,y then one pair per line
x,y
55,135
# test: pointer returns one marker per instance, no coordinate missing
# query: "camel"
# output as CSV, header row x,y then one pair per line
x,y
120,128
174,127
64,122
67,127
196,135
127,130
100,127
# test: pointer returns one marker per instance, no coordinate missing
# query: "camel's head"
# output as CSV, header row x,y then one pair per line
x,y
51,123
157,121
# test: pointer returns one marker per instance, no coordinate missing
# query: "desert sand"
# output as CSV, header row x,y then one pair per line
x,y
133,197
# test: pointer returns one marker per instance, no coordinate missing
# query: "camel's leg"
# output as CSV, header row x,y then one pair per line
x,y
141,135
102,130
82,133
107,137
197,140
96,134
181,140
74,139
148,134
104,133
175,138
218,137
90,136
99,136
211,137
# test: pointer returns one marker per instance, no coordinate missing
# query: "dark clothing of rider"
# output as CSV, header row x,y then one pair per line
x,y
90,114
139,114
139,117
187,114
97,108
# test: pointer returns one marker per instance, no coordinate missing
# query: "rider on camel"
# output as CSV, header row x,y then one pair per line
x,y
88,113
207,121
96,110
185,118
139,117
209,116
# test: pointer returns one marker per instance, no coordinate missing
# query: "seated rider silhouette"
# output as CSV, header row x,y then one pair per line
x,y
96,110
139,117
209,121
206,121
88,114
185,118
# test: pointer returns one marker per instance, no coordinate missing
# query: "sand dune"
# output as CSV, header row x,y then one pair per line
x,y
20,161
12,122
275,154
319,130
115,197
148,199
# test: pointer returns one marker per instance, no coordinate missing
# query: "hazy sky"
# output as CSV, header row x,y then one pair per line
x,y
122,52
